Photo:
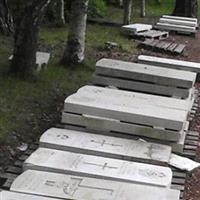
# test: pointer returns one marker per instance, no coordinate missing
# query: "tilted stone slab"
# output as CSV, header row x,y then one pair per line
x,y
170,63
98,167
79,188
146,73
101,145
141,86
109,125
181,18
136,97
178,22
138,114
175,27
136,28
6,195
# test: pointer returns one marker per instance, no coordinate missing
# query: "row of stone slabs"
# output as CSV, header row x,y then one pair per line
x,y
144,78
178,24
117,174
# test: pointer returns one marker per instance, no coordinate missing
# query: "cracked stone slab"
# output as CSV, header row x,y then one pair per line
x,y
82,188
183,163
106,146
98,167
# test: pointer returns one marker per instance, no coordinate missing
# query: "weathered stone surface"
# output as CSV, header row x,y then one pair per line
x,y
82,188
6,195
98,167
101,145
175,27
178,22
147,73
143,87
110,125
138,114
135,28
181,18
136,97
170,63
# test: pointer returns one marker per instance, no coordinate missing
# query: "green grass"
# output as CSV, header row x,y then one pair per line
x,y
24,106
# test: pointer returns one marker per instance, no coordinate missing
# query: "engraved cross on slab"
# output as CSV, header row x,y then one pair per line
x,y
104,166
74,184
103,142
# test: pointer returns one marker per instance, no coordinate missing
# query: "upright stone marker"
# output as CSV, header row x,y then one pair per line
x,y
82,188
100,145
6,195
98,167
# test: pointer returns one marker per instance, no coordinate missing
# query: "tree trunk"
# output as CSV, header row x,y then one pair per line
x,y
143,8
127,11
25,39
186,8
6,22
75,50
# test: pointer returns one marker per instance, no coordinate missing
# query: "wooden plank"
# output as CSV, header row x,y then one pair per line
x,y
172,47
179,48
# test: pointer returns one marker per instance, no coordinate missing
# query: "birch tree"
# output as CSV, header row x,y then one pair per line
x,y
75,49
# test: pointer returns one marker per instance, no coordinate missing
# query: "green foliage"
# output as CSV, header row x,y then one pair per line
x,y
97,8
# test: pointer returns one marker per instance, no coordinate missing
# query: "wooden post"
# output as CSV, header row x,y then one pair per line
x,y
143,9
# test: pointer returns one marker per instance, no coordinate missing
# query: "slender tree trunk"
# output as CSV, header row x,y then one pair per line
x,y
26,37
75,50
127,11
143,8
62,11
6,21
186,8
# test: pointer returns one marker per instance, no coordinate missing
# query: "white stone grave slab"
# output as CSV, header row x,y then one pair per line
x,y
180,18
6,195
109,126
106,146
170,63
138,114
135,28
183,163
178,22
175,27
98,167
144,87
66,186
136,97
147,73
42,59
